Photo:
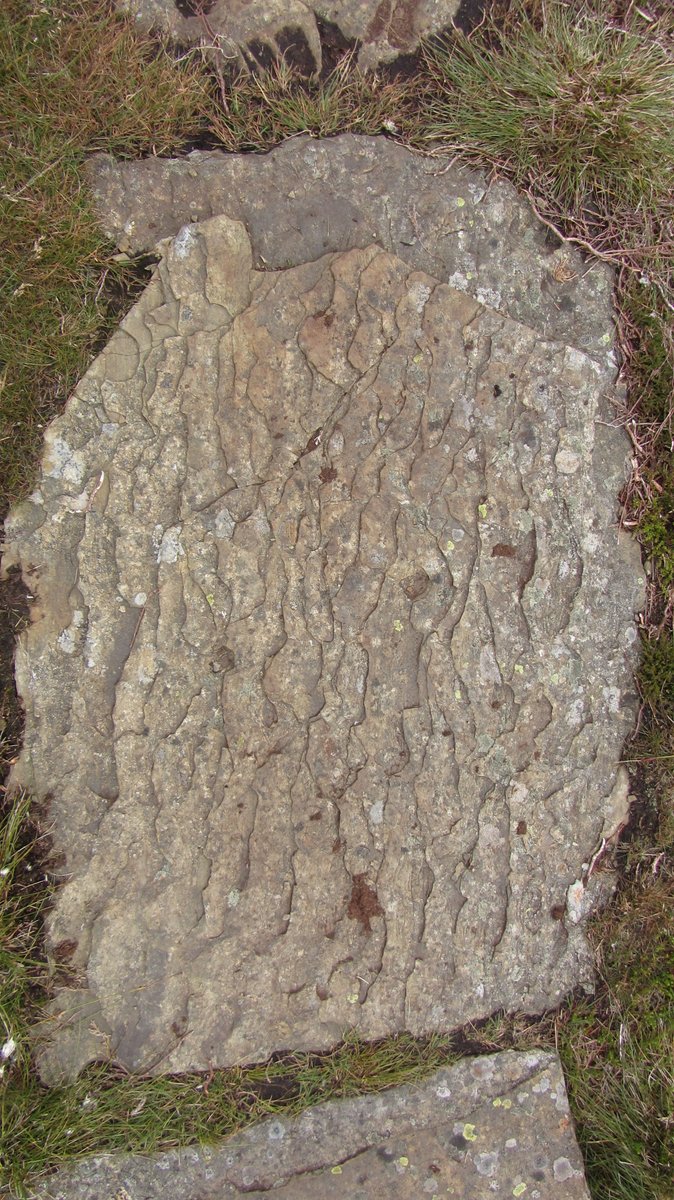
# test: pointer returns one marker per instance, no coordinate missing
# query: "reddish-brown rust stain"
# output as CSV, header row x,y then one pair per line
x,y
326,317
364,903
503,550
395,21
401,32
379,21
416,584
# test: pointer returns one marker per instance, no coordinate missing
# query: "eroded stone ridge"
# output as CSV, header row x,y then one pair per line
x,y
494,1126
328,668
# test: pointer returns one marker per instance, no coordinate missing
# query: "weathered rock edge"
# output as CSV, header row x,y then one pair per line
x,y
498,1125
330,665
308,198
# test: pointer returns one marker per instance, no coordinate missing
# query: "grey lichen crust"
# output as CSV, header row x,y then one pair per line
x,y
330,663
494,1126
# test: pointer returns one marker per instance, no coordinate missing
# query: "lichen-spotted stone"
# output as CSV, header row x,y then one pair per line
x,y
399,1144
331,607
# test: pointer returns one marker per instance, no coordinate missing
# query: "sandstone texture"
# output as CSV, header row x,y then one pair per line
x,y
261,31
330,662
496,1126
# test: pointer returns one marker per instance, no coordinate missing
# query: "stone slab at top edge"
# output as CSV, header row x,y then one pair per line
x,y
510,1107
309,197
295,30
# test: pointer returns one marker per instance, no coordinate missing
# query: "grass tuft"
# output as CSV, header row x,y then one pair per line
x,y
265,108
582,107
618,1049
23,899
73,80
656,676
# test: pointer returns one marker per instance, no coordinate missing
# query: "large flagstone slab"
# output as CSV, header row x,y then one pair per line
x,y
494,1126
330,661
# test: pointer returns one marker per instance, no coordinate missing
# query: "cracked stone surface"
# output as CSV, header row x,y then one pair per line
x,y
497,1126
261,30
330,662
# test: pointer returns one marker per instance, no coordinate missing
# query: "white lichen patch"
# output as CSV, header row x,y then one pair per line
x,y
66,641
576,902
60,461
171,548
563,1170
184,242
224,525
489,296
487,1163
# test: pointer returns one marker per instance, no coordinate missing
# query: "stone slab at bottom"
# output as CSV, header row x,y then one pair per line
x,y
496,1126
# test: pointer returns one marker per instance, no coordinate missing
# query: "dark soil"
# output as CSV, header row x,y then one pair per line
x,y
120,291
644,820
469,15
294,48
334,45
14,615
